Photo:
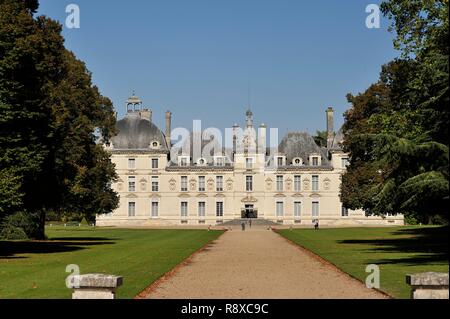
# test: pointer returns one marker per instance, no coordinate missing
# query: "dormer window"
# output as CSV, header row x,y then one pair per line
x,y
315,160
201,162
220,161
297,161
183,161
154,145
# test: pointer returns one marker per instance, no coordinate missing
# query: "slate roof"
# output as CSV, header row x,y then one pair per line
x,y
136,133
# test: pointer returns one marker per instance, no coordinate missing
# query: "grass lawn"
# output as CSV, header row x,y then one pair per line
x,y
397,251
35,269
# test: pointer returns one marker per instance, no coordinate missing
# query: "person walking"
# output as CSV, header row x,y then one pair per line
x,y
243,226
250,223
316,225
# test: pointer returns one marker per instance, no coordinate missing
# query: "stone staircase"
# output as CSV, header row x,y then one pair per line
x,y
255,222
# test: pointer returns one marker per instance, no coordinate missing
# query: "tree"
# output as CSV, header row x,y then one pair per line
x,y
397,131
49,111
321,138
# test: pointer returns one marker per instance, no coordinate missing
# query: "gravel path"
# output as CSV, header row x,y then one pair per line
x,y
257,264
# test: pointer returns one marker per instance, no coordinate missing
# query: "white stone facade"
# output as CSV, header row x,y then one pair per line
x,y
289,189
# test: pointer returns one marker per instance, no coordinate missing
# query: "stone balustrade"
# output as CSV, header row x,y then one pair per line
x,y
429,285
95,286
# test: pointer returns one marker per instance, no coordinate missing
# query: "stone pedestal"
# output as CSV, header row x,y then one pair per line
x,y
429,285
95,286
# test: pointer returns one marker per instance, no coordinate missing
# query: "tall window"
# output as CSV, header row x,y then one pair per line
x,y
344,162
279,183
219,209
297,209
315,182
155,163
183,161
131,209
279,161
249,163
131,183
201,209
201,183
155,184
315,209
184,184
249,183
131,163
184,209
155,207
219,183
344,211
280,209
220,161
297,183
315,161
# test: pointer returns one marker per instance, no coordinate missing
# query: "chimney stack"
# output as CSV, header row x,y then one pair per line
x,y
262,134
168,128
330,127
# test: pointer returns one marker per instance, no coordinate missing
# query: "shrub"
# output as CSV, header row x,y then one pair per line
x,y
18,224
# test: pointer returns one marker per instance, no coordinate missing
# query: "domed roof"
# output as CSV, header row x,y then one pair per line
x,y
300,144
137,133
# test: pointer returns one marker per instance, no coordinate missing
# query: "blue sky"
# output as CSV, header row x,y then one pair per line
x,y
198,58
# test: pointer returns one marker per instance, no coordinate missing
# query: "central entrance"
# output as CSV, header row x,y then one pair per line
x,y
249,212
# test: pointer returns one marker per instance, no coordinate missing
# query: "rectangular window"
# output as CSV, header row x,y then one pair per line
x,y
155,184
297,183
297,209
279,183
219,183
201,183
280,209
131,209
315,161
219,209
345,162
155,206
315,182
249,183
220,161
201,209
184,184
155,163
184,209
344,211
315,209
131,184
249,163
183,161
279,161
131,163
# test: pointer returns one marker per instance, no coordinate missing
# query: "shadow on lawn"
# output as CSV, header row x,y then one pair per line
x,y
424,246
11,249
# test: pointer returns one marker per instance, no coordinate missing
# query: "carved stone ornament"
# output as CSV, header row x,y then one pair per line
x,y
172,184
229,184
193,184
327,184
269,183
210,184
306,184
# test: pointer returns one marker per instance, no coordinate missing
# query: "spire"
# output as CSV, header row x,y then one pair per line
x,y
249,115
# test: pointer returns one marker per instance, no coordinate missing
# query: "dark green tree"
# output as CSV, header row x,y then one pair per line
x,y
397,131
49,111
